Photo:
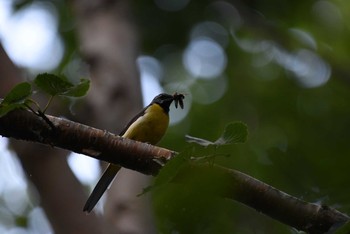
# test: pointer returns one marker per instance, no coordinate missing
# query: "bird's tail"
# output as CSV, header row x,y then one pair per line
x,y
101,187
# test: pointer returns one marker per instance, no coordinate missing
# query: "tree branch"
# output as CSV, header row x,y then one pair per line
x,y
79,138
148,159
308,217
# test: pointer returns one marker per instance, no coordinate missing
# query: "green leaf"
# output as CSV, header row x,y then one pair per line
x,y
78,90
4,109
16,98
52,84
18,94
235,132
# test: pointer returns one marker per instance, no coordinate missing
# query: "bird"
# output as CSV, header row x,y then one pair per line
x,y
148,126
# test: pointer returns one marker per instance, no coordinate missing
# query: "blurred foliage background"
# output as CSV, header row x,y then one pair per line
x,y
279,66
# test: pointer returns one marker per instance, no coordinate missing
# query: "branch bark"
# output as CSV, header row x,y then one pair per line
x,y
308,217
148,159
79,138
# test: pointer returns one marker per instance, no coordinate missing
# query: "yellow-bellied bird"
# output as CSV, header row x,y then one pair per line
x,y
148,126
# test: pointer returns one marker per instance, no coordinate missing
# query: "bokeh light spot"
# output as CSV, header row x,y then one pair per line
x,y
30,37
38,222
204,58
151,72
76,162
309,69
304,37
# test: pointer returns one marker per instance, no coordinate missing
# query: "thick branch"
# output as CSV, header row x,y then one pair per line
x,y
79,138
264,198
147,159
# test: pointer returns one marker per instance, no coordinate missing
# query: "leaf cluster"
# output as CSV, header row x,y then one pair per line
x,y
21,95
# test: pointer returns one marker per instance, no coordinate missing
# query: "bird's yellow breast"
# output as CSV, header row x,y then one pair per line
x,y
149,127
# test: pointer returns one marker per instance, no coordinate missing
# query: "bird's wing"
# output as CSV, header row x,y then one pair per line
x,y
142,112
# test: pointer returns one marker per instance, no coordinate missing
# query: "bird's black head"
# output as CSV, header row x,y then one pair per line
x,y
164,100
